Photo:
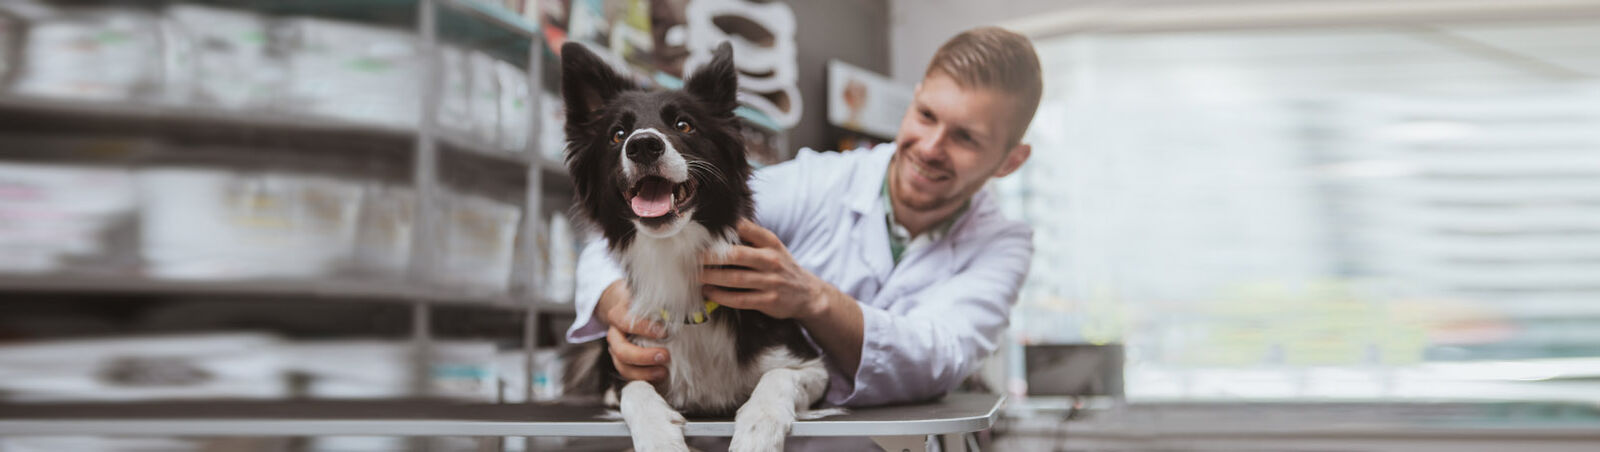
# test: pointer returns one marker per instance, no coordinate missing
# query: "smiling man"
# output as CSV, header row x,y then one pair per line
x,y
898,264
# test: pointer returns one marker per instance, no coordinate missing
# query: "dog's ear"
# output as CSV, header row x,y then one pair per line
x,y
587,82
716,82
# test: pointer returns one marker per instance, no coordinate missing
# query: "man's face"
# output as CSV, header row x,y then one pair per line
x,y
951,141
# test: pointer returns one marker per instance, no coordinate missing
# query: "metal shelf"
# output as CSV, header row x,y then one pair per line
x,y
36,116
350,290
956,413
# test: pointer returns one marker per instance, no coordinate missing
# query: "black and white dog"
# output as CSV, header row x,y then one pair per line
x,y
663,175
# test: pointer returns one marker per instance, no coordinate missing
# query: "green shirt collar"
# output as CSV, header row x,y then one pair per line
x,y
899,238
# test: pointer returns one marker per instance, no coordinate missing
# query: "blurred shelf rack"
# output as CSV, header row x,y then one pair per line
x,y
41,116
332,289
418,155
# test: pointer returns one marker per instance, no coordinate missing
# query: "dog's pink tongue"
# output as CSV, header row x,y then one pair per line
x,y
653,200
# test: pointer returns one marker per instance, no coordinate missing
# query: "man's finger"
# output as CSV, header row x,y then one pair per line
x,y
743,256
652,374
629,353
619,318
735,278
738,299
758,236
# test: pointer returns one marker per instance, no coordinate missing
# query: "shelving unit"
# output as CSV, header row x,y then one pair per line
x,y
416,156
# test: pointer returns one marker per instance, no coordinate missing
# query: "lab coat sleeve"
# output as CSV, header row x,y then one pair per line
x,y
596,270
785,198
929,349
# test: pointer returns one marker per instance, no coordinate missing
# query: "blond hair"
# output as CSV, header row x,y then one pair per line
x,y
997,59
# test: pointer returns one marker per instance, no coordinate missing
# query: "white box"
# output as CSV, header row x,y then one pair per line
x,y
355,72
211,224
485,105
516,109
222,58
48,212
108,55
479,243
188,366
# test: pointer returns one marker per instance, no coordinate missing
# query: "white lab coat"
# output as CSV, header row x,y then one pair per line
x,y
928,321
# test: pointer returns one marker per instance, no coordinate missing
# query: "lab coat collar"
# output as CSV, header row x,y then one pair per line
x,y
873,169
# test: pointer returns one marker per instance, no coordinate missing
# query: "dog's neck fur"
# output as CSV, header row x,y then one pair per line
x,y
664,272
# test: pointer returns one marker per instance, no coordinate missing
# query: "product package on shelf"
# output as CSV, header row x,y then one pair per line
x,y
384,231
213,224
9,28
355,72
92,54
187,366
547,369
222,58
563,264
552,134
479,243
516,111
455,101
49,213
485,103
377,369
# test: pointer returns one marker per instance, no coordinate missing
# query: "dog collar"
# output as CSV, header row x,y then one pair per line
x,y
695,318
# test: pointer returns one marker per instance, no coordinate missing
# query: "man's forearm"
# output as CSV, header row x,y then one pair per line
x,y
836,326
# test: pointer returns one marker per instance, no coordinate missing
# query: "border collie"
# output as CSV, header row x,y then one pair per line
x,y
663,174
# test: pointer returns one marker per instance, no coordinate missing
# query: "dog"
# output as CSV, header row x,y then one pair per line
x,y
664,177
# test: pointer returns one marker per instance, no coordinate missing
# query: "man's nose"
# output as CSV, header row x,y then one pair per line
x,y
931,148
645,149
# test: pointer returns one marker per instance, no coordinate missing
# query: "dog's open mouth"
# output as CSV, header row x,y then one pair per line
x,y
656,197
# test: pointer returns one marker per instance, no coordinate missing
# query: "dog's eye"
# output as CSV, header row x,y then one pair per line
x,y
616,136
684,126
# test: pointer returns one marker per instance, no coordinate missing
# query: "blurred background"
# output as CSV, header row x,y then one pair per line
x,y
1259,225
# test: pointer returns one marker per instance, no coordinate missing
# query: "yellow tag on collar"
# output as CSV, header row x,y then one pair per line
x,y
695,318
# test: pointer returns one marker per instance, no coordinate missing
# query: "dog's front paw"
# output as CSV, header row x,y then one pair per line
x,y
760,427
663,432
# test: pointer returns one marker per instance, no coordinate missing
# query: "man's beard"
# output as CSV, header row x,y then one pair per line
x,y
924,205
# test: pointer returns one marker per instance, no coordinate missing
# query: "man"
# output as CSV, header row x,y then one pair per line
x,y
899,266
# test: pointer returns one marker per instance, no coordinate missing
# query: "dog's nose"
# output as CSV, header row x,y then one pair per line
x,y
644,149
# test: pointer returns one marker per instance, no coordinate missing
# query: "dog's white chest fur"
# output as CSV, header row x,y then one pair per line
x,y
704,373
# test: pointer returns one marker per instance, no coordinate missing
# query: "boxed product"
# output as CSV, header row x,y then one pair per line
x,y
552,132
214,224
455,97
516,110
548,368
384,231
50,212
361,73
92,54
365,369
562,266
8,37
485,104
188,366
479,243
222,58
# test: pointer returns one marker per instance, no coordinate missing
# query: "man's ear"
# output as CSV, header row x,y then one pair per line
x,y
587,83
1014,160
716,82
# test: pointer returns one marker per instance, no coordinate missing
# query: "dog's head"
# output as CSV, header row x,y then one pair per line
x,y
650,162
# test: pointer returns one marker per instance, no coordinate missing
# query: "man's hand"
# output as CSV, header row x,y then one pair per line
x,y
766,276
632,361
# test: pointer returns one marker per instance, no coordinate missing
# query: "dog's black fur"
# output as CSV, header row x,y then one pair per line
x,y
600,102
